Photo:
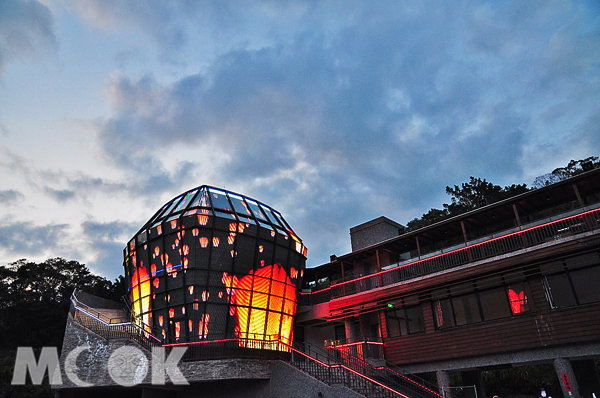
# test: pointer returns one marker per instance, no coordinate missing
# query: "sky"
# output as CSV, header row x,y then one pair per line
x,y
332,112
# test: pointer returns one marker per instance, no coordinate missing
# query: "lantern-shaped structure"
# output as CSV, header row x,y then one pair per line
x,y
213,265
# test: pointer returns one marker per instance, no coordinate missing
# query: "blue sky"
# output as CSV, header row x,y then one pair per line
x,y
332,112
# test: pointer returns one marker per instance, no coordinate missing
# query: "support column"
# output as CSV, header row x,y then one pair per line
x,y
443,380
566,378
351,334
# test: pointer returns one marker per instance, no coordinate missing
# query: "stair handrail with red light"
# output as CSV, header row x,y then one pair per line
x,y
400,386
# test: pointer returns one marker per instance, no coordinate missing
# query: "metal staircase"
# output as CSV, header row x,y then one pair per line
x,y
358,375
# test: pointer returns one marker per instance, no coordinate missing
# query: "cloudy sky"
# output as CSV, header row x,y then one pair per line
x,y
332,112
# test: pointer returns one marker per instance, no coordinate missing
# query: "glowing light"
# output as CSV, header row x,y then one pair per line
x,y
195,231
191,289
156,251
202,219
518,301
185,262
160,320
216,241
183,310
294,273
174,224
177,330
186,250
260,248
241,228
231,239
153,269
190,323
171,312
203,241
220,294
205,295
140,294
155,282
159,229
232,227
203,326
276,312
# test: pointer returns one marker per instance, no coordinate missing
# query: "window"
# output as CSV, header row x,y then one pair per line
x,y
482,300
572,281
406,319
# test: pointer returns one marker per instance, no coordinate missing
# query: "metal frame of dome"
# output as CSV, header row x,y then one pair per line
x,y
241,207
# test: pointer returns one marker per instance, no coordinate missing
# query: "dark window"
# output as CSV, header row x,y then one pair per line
x,y
483,300
466,309
405,320
573,281
494,304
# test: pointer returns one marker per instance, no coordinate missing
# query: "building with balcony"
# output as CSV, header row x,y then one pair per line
x,y
511,283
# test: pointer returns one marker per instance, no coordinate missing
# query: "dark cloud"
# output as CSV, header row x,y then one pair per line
x,y
25,27
25,238
10,196
60,195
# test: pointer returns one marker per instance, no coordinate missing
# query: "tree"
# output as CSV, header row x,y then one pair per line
x,y
562,173
35,299
465,198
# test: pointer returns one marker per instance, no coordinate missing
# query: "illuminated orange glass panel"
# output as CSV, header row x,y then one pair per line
x,y
253,290
140,293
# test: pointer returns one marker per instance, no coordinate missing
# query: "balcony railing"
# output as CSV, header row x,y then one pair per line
x,y
494,246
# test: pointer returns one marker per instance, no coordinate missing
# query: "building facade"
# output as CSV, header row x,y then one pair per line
x,y
511,283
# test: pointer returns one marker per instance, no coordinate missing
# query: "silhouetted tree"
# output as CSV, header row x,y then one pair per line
x,y
562,173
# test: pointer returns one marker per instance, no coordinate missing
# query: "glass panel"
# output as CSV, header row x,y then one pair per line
x,y
188,197
239,205
518,297
560,291
172,206
219,199
255,209
494,304
415,321
466,309
202,199
586,284
270,216
443,312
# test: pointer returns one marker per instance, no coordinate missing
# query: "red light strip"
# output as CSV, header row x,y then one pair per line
x,y
457,250
351,344
414,382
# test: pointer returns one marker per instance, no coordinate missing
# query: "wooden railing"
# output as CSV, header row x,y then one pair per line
x,y
554,230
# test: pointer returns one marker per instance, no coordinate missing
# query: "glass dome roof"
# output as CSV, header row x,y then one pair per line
x,y
210,201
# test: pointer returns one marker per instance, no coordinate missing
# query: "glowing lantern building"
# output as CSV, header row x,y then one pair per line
x,y
213,265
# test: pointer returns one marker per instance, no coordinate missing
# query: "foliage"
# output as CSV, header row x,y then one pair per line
x,y
35,299
465,198
562,173
522,380
468,196
34,306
